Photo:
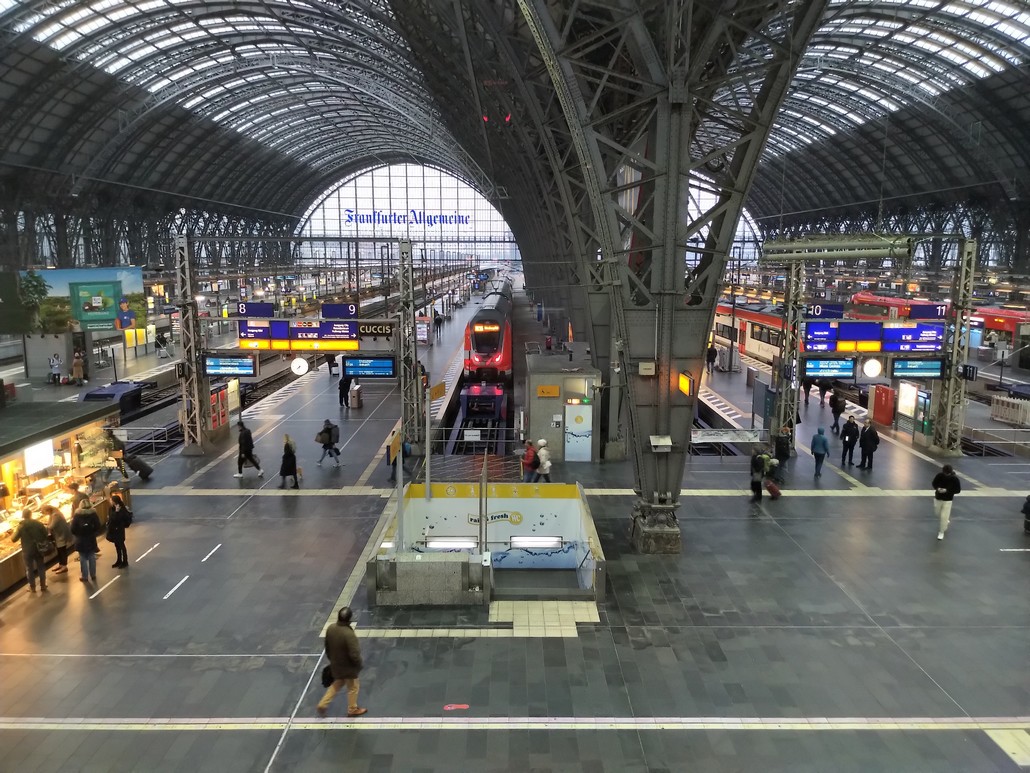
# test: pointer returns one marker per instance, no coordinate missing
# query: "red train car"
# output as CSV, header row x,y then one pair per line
x,y
488,336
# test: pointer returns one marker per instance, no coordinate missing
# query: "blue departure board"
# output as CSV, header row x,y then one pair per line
x,y
820,331
339,311
230,365
255,330
829,368
370,367
858,331
926,368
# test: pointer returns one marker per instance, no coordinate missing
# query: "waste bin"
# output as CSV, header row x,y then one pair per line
x,y
752,374
355,396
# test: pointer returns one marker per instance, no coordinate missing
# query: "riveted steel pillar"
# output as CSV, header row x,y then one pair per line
x,y
193,384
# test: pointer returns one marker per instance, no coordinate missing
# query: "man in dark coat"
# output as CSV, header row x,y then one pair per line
x,y
837,406
868,440
85,528
344,654
945,486
711,356
345,382
32,534
246,443
849,437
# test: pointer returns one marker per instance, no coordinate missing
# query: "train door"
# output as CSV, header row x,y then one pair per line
x,y
742,337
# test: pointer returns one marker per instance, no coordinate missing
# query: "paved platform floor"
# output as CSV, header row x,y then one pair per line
x,y
826,631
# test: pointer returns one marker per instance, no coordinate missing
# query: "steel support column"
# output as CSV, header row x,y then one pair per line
x,y
947,430
193,384
786,378
412,391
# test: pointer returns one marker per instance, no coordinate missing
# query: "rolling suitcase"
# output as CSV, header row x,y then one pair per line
x,y
139,466
773,489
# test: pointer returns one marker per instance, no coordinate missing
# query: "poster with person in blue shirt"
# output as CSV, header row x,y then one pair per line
x,y
126,317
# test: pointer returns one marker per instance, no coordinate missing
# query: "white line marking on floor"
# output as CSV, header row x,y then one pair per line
x,y
180,582
101,590
147,553
1014,550
205,558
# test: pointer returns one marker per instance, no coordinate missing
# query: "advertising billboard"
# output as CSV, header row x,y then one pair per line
x,y
73,300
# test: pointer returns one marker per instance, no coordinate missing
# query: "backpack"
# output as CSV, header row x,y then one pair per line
x,y
534,463
334,434
758,463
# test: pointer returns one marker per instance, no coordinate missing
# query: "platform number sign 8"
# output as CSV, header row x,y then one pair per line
x,y
241,308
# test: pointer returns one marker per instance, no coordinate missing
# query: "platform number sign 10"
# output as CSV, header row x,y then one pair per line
x,y
825,311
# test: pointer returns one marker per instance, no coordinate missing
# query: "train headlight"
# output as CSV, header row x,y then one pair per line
x,y
872,368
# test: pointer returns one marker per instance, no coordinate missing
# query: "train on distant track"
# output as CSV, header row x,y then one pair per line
x,y
488,336
760,328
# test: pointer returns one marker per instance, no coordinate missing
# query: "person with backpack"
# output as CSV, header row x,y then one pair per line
x,y
711,356
288,467
530,462
118,521
945,486
329,437
85,527
543,458
761,463
837,406
246,451
782,448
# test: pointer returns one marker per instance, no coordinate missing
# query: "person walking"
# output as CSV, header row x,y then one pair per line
x,y
246,451
61,534
543,454
945,486
344,654
33,538
438,325
782,449
85,527
824,387
711,356
345,382
760,464
868,440
329,436
849,434
330,362
837,406
530,462
118,521
288,466
806,387
1026,516
820,446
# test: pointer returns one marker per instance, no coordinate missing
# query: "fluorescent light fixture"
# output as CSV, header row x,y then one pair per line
x,y
388,544
452,543
39,456
536,542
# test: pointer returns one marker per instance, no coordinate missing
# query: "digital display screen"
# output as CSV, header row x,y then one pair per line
x,y
858,331
912,346
913,333
928,311
251,309
280,329
254,330
829,368
485,328
820,331
820,346
39,456
339,310
370,367
917,368
336,331
241,365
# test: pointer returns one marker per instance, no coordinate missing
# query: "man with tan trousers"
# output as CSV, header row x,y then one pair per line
x,y
344,653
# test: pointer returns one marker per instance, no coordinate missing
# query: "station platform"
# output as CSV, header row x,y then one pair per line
x,y
827,630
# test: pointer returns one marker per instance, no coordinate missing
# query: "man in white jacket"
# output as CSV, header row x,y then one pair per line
x,y
544,454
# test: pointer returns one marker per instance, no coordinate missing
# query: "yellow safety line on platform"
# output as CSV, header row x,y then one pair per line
x,y
1014,742
990,725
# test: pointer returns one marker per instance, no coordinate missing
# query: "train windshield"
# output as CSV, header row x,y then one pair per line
x,y
486,337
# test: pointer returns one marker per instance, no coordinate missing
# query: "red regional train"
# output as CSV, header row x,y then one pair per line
x,y
488,337
759,330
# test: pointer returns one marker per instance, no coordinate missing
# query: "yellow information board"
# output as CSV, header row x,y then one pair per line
x,y
548,390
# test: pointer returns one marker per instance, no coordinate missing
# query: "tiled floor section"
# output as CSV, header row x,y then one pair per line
x,y
528,619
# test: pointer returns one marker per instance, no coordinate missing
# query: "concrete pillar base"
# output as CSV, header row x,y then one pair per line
x,y
654,530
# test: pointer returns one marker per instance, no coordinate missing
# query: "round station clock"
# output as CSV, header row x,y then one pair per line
x,y
299,366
